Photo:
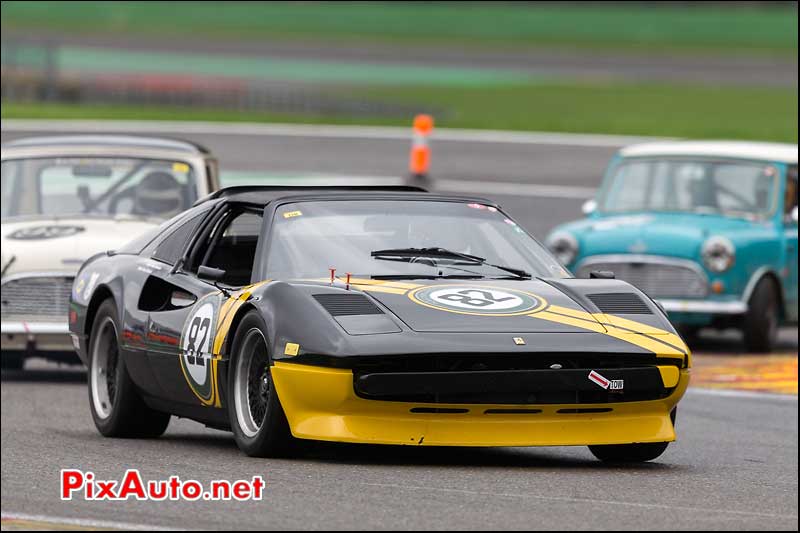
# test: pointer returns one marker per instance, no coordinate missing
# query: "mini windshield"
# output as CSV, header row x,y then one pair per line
x,y
96,186
377,238
692,186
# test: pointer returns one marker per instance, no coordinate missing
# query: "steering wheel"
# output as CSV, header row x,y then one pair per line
x,y
125,194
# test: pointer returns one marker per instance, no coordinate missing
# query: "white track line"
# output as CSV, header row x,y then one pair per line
x,y
83,522
741,394
457,186
514,189
309,130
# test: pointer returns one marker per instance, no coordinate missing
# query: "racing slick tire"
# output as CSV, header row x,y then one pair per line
x,y
256,416
117,408
760,325
628,453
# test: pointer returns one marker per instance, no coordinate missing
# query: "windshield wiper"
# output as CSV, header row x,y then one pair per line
x,y
390,277
444,254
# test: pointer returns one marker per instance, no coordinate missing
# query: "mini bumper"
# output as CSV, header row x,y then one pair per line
x,y
704,306
321,404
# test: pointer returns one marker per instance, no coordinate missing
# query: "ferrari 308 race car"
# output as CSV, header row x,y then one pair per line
x,y
371,315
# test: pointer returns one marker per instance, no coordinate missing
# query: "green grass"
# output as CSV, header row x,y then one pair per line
x,y
723,28
631,109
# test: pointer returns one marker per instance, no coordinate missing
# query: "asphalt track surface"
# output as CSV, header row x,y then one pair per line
x,y
733,467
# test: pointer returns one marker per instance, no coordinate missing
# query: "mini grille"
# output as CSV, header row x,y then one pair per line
x,y
623,303
36,298
347,304
664,279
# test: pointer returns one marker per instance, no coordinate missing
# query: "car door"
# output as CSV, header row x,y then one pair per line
x,y
790,243
170,296
184,329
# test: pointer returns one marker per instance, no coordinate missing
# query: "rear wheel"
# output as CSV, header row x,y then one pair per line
x,y
628,453
760,326
257,419
117,408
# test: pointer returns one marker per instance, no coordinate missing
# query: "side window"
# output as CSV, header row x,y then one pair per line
x,y
232,247
170,249
790,196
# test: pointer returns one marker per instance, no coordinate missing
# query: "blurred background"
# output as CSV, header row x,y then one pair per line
x,y
688,69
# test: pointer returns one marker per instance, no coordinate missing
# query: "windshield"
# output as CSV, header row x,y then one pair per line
x,y
99,186
309,238
689,185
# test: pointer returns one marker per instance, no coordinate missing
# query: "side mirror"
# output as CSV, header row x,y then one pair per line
x,y
601,274
589,207
211,274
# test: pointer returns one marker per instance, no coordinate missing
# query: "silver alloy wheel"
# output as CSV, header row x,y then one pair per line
x,y
252,383
103,379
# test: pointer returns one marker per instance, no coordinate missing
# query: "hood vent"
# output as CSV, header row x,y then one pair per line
x,y
620,303
347,304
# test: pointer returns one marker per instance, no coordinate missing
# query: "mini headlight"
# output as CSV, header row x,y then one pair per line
x,y
718,254
564,246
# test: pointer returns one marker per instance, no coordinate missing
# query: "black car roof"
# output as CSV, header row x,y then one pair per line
x,y
264,194
109,140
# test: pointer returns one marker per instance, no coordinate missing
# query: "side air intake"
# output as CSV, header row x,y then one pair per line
x,y
347,304
620,303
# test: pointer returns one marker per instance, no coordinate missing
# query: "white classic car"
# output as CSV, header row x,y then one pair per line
x,y
67,198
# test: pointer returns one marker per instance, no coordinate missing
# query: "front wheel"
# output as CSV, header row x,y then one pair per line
x,y
760,326
256,416
628,453
117,408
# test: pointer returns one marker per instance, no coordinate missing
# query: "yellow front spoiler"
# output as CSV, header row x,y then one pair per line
x,y
320,404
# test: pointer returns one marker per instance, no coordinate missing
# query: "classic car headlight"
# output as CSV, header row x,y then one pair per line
x,y
718,253
564,246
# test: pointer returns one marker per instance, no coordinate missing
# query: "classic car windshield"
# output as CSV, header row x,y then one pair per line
x,y
691,185
105,186
308,238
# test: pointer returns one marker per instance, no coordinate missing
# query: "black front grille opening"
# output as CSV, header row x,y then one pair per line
x,y
512,411
620,303
347,304
584,410
438,410
454,362
525,398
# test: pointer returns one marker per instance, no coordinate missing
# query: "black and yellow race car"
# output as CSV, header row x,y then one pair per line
x,y
371,315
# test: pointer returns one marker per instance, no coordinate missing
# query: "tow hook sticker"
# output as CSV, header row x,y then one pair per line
x,y
609,384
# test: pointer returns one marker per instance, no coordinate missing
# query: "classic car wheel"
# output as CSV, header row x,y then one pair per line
x,y
760,326
628,453
257,419
117,408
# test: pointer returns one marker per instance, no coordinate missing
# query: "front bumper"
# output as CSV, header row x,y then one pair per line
x,y
708,307
321,404
37,336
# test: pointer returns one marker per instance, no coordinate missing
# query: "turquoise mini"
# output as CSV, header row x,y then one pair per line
x,y
707,229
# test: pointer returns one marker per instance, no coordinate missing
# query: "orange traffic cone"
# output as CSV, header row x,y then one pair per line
x,y
420,158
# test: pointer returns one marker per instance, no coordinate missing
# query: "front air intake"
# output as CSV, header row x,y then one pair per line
x,y
620,303
347,304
